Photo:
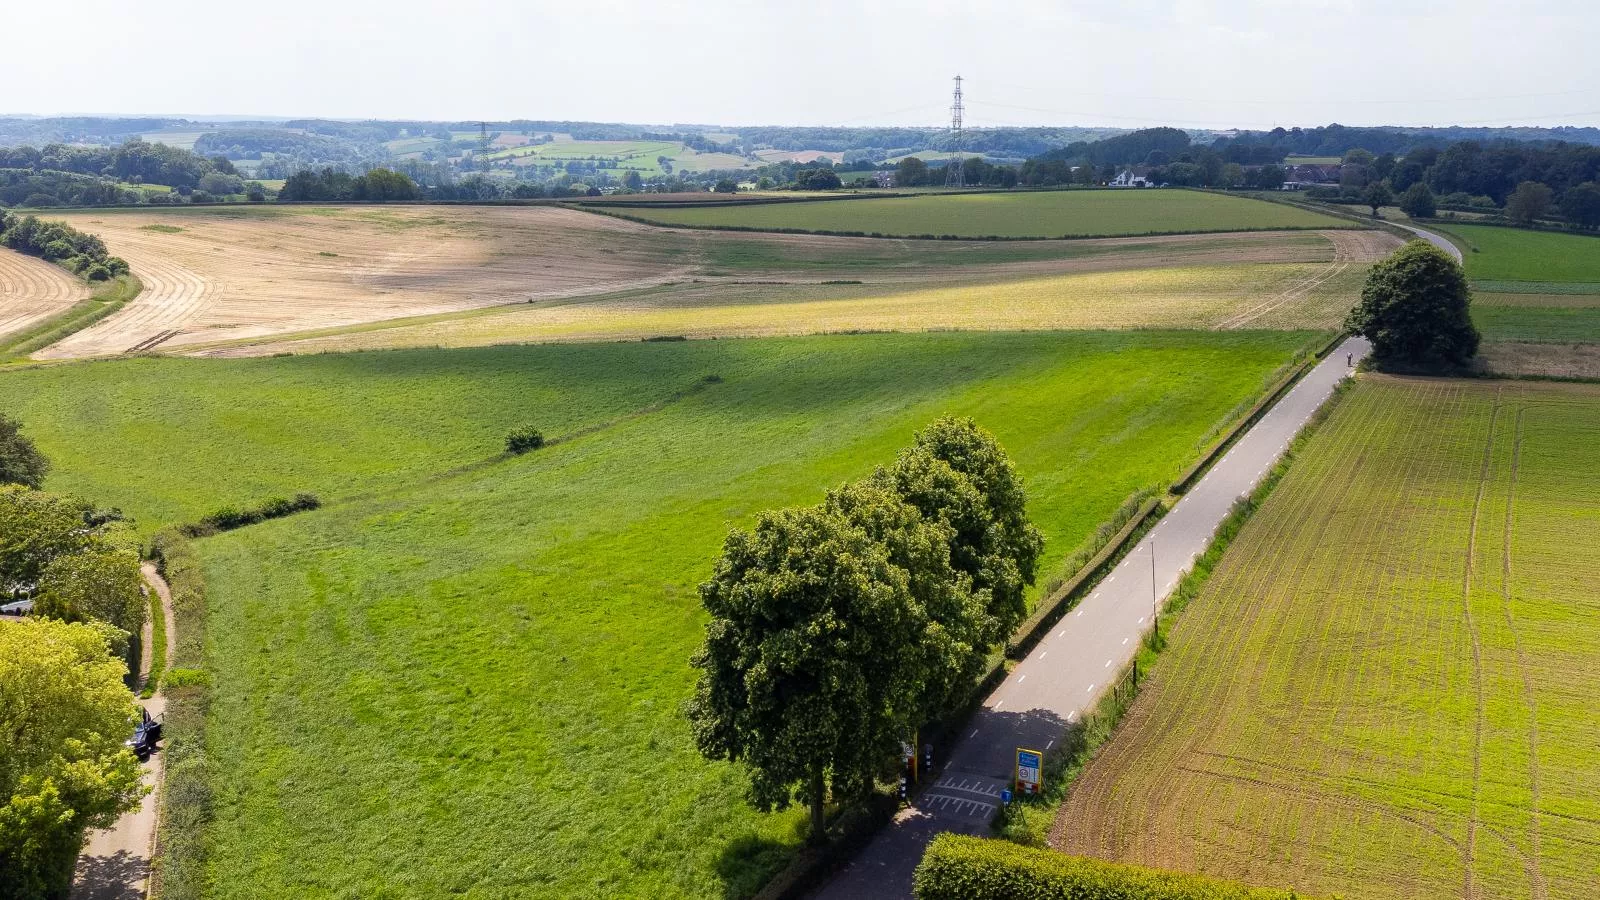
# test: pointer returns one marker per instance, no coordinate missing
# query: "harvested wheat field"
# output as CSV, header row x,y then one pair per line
x,y
229,272
32,290
1300,281
1391,685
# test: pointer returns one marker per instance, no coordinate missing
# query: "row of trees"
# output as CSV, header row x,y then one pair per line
x,y
64,708
60,243
838,629
379,185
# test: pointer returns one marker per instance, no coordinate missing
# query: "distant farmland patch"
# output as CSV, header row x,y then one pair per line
x,y
1389,687
1033,214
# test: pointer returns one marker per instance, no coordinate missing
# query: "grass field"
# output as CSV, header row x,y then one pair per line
x,y
1388,688
1015,215
479,662
1496,254
1571,318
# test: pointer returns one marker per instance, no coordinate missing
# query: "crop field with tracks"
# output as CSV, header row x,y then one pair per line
x,y
1030,214
32,290
1389,686
479,661
791,285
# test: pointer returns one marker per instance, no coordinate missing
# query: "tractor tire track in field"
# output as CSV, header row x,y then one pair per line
x,y
1536,877
173,295
1469,889
1346,252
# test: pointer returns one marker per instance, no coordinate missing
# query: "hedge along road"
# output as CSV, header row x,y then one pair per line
x,y
1065,675
115,862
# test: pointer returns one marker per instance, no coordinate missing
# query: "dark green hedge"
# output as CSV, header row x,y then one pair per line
x,y
957,867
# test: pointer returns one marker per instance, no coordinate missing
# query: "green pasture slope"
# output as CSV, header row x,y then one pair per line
x,y
464,675
1029,214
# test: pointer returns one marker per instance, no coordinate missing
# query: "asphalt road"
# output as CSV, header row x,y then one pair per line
x,y
1439,241
1068,671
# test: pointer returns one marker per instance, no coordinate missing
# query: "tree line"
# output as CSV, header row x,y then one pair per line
x,y
837,630
62,175
60,243
63,705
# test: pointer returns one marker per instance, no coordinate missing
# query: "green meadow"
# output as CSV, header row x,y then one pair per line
x,y
1025,214
464,674
1495,254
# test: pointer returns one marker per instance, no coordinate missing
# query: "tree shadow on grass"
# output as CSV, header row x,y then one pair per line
x,y
749,862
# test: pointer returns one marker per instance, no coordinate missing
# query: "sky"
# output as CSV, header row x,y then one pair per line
x,y
1124,63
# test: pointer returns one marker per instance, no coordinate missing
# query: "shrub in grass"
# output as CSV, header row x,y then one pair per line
x,y
228,518
524,439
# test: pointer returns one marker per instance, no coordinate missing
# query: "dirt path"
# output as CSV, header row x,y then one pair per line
x,y
32,290
115,863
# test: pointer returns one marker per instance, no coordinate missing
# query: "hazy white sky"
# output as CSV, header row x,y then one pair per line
x,y
1130,63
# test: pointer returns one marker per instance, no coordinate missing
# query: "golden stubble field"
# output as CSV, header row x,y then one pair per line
x,y
32,290
234,273
260,280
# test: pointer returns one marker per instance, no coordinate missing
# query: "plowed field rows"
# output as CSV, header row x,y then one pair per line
x,y
1391,685
32,290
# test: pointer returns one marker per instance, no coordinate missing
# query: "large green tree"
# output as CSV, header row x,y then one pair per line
x,y
20,461
94,584
958,474
35,528
808,671
1377,194
1417,201
1581,205
1415,310
64,713
1530,201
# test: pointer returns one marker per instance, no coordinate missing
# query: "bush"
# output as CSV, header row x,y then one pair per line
x,y
524,439
228,519
957,867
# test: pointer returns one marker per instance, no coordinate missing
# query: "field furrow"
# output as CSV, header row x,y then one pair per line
x,y
32,290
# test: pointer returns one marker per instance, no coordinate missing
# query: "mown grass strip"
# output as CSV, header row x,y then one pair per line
x,y
158,645
106,299
186,804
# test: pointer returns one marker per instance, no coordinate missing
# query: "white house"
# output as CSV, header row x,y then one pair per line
x,y
1127,178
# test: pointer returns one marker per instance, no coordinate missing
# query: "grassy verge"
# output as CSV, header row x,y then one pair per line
x,y
1028,819
158,645
106,299
186,798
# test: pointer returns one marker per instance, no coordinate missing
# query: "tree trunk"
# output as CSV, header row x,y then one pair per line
x,y
819,833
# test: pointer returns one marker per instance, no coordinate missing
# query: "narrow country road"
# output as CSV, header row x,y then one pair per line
x,y
115,862
1068,671
1438,240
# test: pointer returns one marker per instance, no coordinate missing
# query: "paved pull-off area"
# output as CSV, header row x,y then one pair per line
x,y
1067,672
115,862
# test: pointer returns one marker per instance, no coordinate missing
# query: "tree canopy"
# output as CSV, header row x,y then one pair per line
x,y
20,461
65,713
837,630
1415,310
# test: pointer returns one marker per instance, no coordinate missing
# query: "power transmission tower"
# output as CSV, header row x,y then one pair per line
x,y
955,174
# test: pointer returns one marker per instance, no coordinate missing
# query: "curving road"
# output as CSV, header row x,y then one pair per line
x,y
1065,675
1438,240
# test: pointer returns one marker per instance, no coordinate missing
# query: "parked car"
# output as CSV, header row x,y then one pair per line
x,y
146,735
17,608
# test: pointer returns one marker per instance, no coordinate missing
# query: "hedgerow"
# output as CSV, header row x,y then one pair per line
x,y
958,867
